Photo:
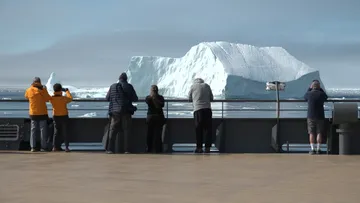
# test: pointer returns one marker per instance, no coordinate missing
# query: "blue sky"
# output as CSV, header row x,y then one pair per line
x,y
33,33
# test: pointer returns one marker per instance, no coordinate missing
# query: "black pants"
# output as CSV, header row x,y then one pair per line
x,y
60,131
154,133
203,126
119,123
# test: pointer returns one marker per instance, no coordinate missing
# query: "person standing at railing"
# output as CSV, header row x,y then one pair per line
x,y
121,95
38,96
155,119
201,96
60,116
315,97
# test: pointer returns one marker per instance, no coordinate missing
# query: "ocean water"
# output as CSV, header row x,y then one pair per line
x,y
171,109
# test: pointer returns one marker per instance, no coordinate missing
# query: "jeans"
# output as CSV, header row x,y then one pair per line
x,y
36,126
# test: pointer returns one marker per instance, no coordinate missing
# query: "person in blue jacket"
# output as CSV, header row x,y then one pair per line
x,y
121,95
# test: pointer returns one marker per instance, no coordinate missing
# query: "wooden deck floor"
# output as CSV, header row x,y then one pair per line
x,y
97,177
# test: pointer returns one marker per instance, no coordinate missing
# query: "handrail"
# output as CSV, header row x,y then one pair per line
x,y
168,101
144,109
215,101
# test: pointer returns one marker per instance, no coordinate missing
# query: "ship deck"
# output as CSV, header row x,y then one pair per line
x,y
97,177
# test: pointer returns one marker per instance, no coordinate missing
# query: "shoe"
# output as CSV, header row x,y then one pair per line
x,y
42,150
207,150
318,151
127,152
54,149
67,149
312,152
109,152
33,150
198,151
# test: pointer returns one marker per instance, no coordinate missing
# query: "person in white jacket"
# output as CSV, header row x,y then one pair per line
x,y
201,96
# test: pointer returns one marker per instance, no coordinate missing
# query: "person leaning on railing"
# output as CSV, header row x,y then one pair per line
x,y
60,116
315,97
38,96
120,97
201,95
155,120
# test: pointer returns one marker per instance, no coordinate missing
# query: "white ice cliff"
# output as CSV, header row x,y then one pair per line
x,y
232,71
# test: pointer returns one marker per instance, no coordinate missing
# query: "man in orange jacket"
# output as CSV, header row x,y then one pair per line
x,y
60,116
38,96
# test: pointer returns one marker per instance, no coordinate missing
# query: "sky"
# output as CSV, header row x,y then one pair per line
x,y
89,43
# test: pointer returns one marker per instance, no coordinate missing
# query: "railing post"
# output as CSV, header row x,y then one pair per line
x,y
167,109
276,138
277,102
222,110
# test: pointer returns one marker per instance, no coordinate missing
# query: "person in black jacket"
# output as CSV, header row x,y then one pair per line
x,y
155,120
315,96
120,95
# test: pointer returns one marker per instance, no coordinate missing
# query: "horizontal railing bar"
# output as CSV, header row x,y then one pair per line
x,y
215,101
177,110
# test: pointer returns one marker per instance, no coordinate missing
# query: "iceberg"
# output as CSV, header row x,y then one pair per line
x,y
232,71
81,93
53,80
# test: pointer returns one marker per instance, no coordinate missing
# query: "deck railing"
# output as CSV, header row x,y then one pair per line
x,y
222,108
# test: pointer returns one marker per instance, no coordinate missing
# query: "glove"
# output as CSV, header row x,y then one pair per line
x,y
65,89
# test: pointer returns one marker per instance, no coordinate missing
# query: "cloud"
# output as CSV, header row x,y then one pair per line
x,y
37,24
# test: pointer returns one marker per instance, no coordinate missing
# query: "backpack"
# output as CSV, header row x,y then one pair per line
x,y
129,108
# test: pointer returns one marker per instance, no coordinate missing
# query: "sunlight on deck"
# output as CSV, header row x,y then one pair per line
x,y
98,177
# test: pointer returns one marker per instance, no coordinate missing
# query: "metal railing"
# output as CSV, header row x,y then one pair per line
x,y
222,109
216,100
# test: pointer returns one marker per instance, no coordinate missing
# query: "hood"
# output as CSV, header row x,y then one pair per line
x,y
123,77
37,85
122,82
198,80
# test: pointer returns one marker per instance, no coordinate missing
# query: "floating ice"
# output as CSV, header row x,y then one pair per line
x,y
89,115
82,93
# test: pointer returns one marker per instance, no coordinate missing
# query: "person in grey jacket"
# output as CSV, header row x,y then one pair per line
x,y
201,95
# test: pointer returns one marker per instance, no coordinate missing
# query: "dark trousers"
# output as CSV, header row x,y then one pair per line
x,y
203,126
60,131
154,133
119,124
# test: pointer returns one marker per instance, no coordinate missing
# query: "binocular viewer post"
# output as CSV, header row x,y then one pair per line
x,y
276,86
